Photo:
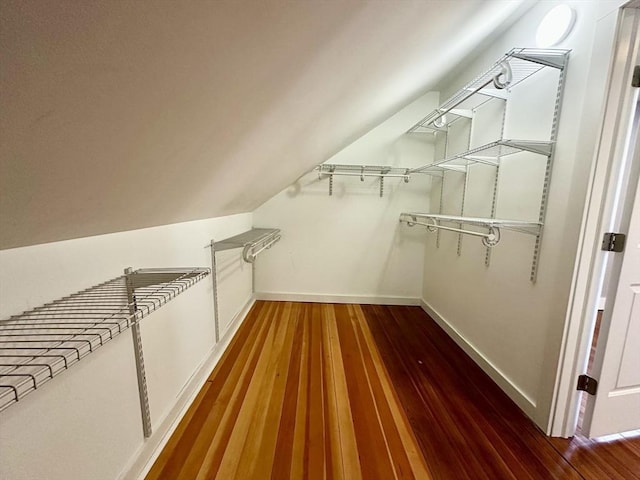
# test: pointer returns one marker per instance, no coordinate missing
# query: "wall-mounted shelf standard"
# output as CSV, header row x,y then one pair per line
x,y
510,70
329,170
490,238
489,154
253,242
496,104
39,344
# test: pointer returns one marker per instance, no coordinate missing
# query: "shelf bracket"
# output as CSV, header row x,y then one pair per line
x,y
139,357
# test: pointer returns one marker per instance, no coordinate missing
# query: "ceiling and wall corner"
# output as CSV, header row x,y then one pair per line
x,y
124,115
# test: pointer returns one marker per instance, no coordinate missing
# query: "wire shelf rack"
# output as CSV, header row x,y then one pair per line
x,y
488,154
513,68
253,242
39,344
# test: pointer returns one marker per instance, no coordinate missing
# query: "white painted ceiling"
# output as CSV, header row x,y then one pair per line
x,y
121,115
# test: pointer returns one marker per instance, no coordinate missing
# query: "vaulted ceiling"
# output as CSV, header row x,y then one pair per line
x,y
122,115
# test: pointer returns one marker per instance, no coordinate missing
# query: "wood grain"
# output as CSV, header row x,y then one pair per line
x,y
301,393
466,427
322,391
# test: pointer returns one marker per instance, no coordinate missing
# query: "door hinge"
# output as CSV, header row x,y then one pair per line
x,y
635,80
613,242
587,384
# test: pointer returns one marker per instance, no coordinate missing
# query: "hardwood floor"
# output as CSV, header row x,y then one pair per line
x,y
371,392
301,393
466,426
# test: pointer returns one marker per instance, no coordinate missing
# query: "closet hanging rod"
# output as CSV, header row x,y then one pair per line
x,y
255,236
362,171
521,226
431,226
489,239
249,254
355,174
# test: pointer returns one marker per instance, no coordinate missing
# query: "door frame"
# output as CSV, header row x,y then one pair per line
x,y
591,262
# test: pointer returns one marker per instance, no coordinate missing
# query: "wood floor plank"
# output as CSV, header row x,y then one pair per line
x,y
206,454
366,392
286,427
253,403
299,465
372,447
343,434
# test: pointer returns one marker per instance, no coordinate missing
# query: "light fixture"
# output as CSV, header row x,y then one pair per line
x,y
555,26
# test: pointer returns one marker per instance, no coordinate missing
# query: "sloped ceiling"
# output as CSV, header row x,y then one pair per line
x,y
121,115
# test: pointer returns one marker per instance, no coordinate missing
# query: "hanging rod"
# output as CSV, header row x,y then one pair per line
x,y
489,239
381,172
253,242
251,251
362,171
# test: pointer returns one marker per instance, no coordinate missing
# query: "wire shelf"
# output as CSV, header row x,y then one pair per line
x,y
513,68
488,154
37,345
362,171
253,242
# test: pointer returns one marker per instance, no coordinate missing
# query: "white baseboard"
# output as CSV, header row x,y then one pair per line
x,y
525,403
333,298
147,454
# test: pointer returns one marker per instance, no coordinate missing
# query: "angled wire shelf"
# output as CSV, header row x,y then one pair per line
x,y
513,68
253,242
488,154
37,345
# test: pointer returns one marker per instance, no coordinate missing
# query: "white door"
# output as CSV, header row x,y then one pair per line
x,y
616,406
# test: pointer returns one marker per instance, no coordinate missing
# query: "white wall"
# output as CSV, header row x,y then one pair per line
x,y
513,327
153,113
347,247
85,423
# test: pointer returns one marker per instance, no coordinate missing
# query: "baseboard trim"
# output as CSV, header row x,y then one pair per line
x,y
148,453
525,403
333,298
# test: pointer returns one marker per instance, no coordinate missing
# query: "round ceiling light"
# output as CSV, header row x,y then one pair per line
x,y
555,26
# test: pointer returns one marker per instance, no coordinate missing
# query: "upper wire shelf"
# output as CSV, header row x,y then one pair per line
x,y
39,344
514,67
488,154
253,242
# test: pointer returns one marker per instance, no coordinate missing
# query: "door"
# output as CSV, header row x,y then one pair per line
x,y
616,406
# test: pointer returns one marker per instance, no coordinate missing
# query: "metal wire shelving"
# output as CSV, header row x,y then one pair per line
x,y
253,242
510,70
489,154
363,171
493,85
41,343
